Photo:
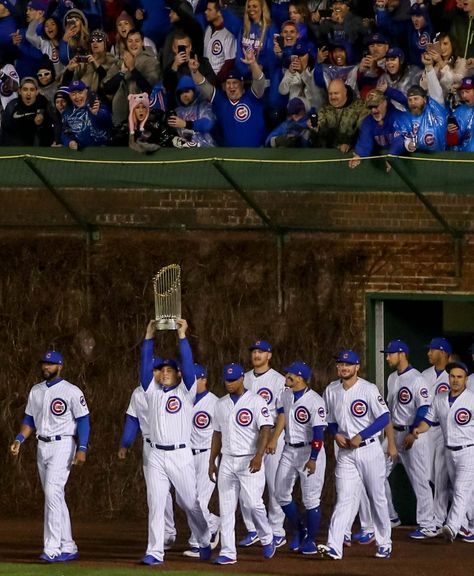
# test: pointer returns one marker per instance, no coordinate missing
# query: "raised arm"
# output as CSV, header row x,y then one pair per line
x,y
187,361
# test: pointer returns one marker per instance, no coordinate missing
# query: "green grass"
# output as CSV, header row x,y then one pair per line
x,y
72,569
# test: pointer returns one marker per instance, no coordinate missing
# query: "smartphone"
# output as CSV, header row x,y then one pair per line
x,y
325,13
313,118
181,48
81,58
434,46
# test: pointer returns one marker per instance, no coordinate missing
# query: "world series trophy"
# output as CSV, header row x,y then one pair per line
x,y
167,289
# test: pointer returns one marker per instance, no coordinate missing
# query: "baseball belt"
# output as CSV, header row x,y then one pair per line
x,y
199,450
457,448
49,438
401,428
366,442
298,444
168,447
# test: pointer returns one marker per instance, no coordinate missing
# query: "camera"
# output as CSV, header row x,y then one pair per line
x,y
82,58
279,40
170,113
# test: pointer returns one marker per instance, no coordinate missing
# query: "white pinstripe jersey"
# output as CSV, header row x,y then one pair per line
x,y
438,383
406,392
138,408
470,382
203,419
268,385
457,420
300,416
354,409
56,408
170,413
240,423
219,46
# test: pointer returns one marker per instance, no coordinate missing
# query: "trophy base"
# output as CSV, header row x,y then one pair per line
x,y
166,324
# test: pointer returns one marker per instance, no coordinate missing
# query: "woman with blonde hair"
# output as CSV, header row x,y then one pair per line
x,y
75,40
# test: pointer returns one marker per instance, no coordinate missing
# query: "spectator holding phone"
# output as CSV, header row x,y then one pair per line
x,y
75,40
297,81
398,77
293,132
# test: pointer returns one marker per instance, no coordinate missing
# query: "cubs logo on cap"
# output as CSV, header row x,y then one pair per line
x,y
262,345
347,357
233,372
396,346
166,362
77,86
52,357
440,344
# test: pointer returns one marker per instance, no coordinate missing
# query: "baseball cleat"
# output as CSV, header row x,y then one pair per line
x,y
279,541
268,550
51,558
308,547
69,556
193,552
448,533
358,535
422,534
222,560
395,522
250,539
169,542
205,553
468,538
215,539
383,552
296,540
367,538
150,560
347,541
328,552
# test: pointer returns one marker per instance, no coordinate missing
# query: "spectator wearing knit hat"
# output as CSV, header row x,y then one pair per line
x,y
75,41
398,76
123,24
420,34
292,132
47,82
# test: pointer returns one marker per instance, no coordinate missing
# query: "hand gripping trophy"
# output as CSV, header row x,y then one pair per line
x,y
167,289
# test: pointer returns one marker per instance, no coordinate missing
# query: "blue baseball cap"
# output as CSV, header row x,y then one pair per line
x,y
200,371
419,10
233,372
77,86
395,52
166,362
299,369
440,344
262,345
452,365
347,357
396,346
52,357
157,361
376,38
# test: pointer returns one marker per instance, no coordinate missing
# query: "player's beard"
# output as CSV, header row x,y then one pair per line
x,y
49,374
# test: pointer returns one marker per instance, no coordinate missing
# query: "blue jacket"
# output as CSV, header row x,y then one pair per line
x,y
465,118
85,128
374,137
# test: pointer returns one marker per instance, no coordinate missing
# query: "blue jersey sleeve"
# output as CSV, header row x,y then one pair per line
x,y
83,431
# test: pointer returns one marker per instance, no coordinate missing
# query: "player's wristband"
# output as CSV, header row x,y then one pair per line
x,y
82,449
316,446
20,438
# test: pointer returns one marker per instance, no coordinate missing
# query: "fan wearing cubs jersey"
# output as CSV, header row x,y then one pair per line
x,y
57,413
201,437
454,410
436,376
242,424
170,459
302,415
408,398
269,384
356,415
220,45
136,420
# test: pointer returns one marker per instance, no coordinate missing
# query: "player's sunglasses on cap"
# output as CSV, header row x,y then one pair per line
x,y
440,344
262,345
299,369
453,365
233,372
52,357
347,357
166,362
396,346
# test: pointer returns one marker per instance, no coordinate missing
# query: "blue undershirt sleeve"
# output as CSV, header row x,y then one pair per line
x,y
377,426
318,435
187,363
420,414
83,431
146,363
333,428
130,431
29,421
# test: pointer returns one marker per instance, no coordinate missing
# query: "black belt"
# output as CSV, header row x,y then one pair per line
x,y
366,442
199,450
49,438
457,448
298,444
169,447
401,428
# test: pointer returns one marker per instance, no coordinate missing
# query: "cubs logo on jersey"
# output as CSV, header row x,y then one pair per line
x,y
201,420
216,48
173,405
359,408
302,415
404,395
424,393
242,113
381,400
462,416
321,412
82,400
442,387
244,417
266,394
429,139
265,412
58,406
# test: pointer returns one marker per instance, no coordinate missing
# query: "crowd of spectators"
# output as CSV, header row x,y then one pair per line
x,y
360,76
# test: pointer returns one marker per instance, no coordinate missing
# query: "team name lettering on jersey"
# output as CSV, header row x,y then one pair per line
x,y
266,394
244,417
201,420
405,396
58,406
173,405
462,416
359,408
302,415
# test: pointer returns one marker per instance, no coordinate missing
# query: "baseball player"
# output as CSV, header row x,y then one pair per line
x,y
356,415
470,380
302,414
269,384
436,376
454,410
170,459
136,420
408,398
57,413
201,437
242,424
